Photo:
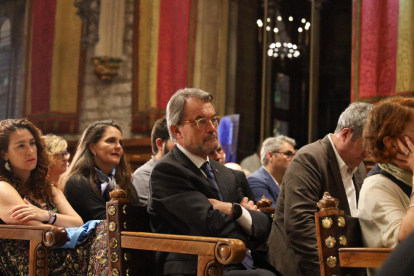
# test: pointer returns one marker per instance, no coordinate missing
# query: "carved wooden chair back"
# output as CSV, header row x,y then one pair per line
x,y
339,238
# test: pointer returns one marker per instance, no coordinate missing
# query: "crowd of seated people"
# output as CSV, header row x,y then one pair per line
x,y
28,197
189,191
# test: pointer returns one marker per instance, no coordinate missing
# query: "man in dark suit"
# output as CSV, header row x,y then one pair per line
x,y
275,155
333,164
194,195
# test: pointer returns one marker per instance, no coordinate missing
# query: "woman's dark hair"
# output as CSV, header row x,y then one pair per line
x,y
37,185
83,163
389,117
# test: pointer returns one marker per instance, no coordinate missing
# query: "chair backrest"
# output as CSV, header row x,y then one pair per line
x,y
122,216
335,230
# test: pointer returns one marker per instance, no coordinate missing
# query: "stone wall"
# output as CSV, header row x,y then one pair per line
x,y
109,100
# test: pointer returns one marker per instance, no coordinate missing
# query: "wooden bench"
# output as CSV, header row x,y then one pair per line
x,y
41,238
339,239
132,246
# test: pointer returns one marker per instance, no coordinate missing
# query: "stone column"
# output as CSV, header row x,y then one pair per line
x,y
314,70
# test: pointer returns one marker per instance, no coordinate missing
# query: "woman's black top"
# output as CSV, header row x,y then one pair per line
x,y
83,198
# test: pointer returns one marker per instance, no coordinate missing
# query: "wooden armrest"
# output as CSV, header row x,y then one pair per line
x,y
363,257
48,234
226,251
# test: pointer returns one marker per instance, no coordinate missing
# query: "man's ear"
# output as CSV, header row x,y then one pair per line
x,y
175,130
160,144
92,148
346,133
270,156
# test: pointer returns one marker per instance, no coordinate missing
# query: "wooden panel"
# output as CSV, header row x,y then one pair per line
x,y
168,245
21,234
363,257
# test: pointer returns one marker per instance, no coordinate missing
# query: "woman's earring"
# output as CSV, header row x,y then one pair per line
x,y
94,154
7,166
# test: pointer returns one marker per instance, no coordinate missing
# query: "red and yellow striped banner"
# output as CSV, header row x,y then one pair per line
x,y
54,68
383,52
164,35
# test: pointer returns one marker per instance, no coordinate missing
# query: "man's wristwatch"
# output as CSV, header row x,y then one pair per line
x,y
237,211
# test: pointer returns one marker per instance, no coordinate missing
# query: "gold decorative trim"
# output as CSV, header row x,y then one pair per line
x,y
341,222
112,210
331,261
327,223
112,226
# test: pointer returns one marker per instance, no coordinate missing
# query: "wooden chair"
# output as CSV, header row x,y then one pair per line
x,y
41,238
339,240
131,246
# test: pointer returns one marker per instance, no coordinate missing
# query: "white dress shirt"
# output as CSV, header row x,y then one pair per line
x,y
245,221
346,175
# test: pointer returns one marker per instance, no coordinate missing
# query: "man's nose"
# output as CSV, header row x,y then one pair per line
x,y
210,127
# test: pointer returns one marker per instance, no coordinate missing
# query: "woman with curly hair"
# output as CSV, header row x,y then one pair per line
x,y
56,149
386,199
27,197
98,165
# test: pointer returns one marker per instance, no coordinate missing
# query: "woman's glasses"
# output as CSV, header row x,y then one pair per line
x,y
61,155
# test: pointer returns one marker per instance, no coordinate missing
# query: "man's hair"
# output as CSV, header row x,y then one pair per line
x,y
274,144
175,107
160,130
354,118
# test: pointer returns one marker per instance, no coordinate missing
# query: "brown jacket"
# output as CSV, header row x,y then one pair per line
x,y
292,242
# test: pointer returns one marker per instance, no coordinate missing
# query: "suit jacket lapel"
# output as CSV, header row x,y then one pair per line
x,y
186,162
333,163
270,181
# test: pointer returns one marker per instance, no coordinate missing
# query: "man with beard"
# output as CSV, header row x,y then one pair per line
x,y
197,196
161,145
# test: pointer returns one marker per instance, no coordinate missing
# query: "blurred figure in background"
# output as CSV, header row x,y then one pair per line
x,y
252,162
218,154
276,154
161,145
56,149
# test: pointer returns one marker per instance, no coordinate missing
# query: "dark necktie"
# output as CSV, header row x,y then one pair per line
x,y
248,260
211,179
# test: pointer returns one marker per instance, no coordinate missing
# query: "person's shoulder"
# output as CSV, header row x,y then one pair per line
x,y
6,185
146,168
77,181
7,190
255,175
377,182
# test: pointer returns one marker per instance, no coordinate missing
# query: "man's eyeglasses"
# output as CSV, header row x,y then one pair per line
x,y
202,123
61,155
288,153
